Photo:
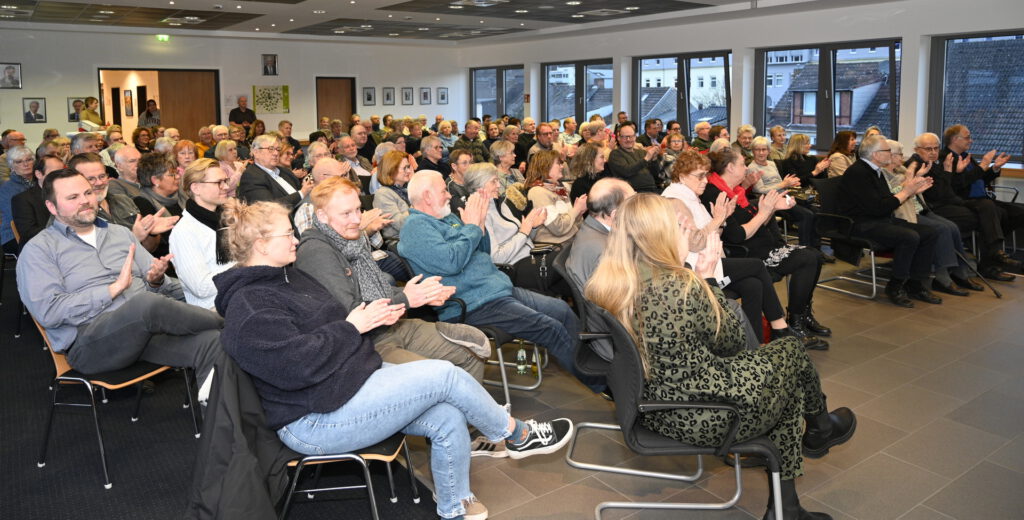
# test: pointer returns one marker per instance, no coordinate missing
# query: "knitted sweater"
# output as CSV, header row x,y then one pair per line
x,y
459,254
287,332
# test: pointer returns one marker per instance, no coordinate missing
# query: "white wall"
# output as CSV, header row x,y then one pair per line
x,y
912,20
61,63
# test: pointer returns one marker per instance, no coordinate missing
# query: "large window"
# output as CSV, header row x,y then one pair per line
x,y
978,81
820,90
579,90
703,95
497,91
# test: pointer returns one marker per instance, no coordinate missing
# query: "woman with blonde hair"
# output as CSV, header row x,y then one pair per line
x,y
226,153
322,384
800,162
691,348
587,167
543,180
778,138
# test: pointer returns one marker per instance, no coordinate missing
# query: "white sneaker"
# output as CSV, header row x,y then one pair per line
x,y
482,447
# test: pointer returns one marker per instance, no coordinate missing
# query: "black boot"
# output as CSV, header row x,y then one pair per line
x,y
791,509
825,430
812,324
797,323
897,293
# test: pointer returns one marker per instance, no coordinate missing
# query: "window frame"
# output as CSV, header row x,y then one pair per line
x,y
683,87
580,67
826,116
499,78
937,77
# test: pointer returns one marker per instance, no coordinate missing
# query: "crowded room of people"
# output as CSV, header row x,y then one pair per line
x,y
519,260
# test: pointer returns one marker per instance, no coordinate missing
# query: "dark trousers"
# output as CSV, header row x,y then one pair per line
x,y
803,266
913,245
152,328
751,283
804,219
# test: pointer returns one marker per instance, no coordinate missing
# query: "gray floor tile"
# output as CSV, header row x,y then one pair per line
x,y
574,501
694,495
843,395
870,438
993,412
880,488
908,407
854,350
946,447
988,491
1001,356
926,353
924,513
904,331
878,375
1010,456
497,491
960,380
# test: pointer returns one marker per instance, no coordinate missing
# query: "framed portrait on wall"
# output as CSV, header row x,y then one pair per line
x,y
35,109
10,75
442,95
129,111
424,95
269,62
369,96
75,106
407,98
388,93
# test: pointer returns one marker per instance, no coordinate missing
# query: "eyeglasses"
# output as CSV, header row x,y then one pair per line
x,y
24,161
884,150
928,148
223,183
271,149
99,178
288,234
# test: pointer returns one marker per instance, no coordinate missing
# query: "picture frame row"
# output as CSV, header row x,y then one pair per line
x,y
34,108
407,93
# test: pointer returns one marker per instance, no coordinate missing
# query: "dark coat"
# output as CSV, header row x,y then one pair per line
x,y
29,213
257,185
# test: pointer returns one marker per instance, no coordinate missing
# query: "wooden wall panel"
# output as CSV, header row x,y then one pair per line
x,y
188,100
335,98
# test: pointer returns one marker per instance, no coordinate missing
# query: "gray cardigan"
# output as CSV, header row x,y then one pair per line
x,y
389,201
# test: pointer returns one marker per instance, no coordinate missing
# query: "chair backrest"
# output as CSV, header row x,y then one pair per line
x,y
593,355
626,377
828,194
60,361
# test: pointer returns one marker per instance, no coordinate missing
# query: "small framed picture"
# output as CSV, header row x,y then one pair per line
x,y
407,98
75,107
442,95
388,94
10,75
424,95
35,109
369,96
269,62
129,110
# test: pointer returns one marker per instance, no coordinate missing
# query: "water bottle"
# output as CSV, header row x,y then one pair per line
x,y
521,362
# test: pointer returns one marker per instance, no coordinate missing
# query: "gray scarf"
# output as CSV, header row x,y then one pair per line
x,y
160,200
373,283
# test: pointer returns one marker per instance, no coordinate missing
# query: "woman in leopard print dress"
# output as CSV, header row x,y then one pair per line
x,y
692,347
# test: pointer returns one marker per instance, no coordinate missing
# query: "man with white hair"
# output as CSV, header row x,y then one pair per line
x,y
172,134
744,142
364,145
702,141
126,161
265,180
470,140
437,243
219,133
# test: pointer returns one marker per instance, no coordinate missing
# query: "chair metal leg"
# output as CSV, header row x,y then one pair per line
x,y
624,471
138,401
191,405
49,424
103,392
412,474
99,437
536,362
369,488
391,482
21,315
504,378
873,283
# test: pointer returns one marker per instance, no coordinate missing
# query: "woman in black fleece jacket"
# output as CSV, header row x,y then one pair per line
x,y
325,390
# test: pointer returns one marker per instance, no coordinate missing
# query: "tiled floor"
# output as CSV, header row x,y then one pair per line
x,y
939,393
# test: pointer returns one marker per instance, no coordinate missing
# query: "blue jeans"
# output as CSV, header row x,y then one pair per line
x,y
430,398
544,320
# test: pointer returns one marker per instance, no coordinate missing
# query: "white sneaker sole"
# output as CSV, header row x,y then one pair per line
x,y
513,454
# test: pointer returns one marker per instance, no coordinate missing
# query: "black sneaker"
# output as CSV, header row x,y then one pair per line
x,y
545,437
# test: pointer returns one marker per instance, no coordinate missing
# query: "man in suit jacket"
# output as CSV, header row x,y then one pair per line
x,y
28,210
865,197
636,167
33,115
265,180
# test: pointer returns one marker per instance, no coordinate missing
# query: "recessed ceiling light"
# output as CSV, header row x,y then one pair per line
x,y
577,16
238,7
291,19
8,7
437,19
632,8
177,24
257,28
6,16
392,34
366,26
192,18
545,7
522,11
423,28
454,7
319,11
481,21
273,25
391,16
573,2
171,2
352,1
522,25
339,31
106,12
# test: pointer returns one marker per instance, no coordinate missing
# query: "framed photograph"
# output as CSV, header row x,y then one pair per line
x,y
389,95
269,62
369,96
424,95
407,96
442,95
10,75
129,111
75,107
35,109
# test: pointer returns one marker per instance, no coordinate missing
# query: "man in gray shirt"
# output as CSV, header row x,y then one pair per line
x,y
103,300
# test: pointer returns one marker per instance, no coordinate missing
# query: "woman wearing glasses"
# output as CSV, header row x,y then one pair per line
x,y
197,241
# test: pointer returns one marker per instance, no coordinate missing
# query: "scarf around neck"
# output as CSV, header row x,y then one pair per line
x,y
737,193
211,219
373,283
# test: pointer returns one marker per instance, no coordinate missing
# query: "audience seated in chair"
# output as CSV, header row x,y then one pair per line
x,y
545,190
325,390
21,160
392,198
28,210
64,278
126,162
691,346
264,180
638,167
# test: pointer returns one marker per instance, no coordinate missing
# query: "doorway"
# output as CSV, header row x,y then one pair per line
x,y
187,99
335,98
